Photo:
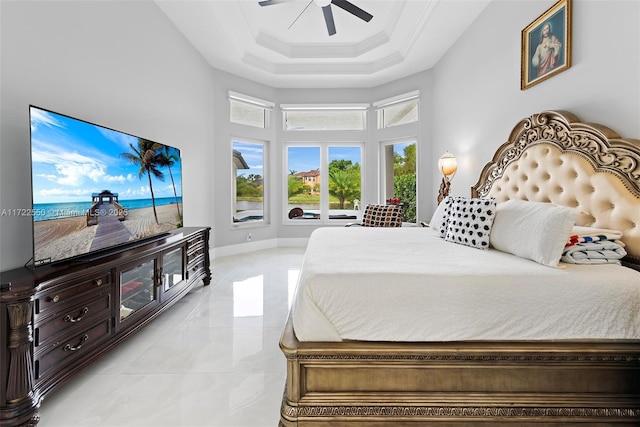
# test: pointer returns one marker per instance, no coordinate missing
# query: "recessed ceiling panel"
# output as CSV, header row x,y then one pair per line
x,y
287,44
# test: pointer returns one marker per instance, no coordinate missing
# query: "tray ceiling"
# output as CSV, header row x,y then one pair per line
x,y
261,44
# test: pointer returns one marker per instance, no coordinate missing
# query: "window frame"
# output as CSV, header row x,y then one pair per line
x,y
383,168
267,107
380,106
361,107
265,186
324,180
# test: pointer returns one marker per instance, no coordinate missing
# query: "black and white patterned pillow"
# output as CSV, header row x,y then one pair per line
x,y
440,219
470,222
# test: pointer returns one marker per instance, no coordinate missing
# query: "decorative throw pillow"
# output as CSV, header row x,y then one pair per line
x,y
533,230
470,222
382,216
440,218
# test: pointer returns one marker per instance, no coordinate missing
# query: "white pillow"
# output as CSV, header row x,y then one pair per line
x,y
532,230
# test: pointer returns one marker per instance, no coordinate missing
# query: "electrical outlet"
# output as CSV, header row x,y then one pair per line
x,y
249,237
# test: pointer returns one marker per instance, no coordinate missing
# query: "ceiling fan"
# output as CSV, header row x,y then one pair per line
x,y
326,10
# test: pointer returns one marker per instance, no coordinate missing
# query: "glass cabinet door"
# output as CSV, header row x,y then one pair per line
x,y
172,268
136,288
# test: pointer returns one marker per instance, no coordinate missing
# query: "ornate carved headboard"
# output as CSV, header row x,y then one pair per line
x,y
553,157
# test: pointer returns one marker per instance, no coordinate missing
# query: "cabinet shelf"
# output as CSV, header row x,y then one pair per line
x,y
61,318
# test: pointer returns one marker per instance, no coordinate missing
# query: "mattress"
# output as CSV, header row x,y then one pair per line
x,y
407,284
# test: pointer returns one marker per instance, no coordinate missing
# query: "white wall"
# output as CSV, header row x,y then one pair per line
x,y
224,234
477,94
119,64
124,65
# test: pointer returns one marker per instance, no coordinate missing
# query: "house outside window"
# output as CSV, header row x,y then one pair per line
x,y
324,161
329,189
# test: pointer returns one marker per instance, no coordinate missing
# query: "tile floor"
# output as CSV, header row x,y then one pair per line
x,y
211,360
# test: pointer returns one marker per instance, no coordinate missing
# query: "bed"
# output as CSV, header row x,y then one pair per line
x,y
563,350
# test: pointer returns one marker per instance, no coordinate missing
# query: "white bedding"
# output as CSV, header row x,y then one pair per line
x,y
407,284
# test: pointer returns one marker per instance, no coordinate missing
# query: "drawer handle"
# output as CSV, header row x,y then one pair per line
x,y
68,347
68,317
159,279
55,298
98,282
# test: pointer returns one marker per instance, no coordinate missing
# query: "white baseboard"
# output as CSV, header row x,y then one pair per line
x,y
242,248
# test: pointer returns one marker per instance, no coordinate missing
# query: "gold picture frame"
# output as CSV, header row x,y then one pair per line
x,y
546,45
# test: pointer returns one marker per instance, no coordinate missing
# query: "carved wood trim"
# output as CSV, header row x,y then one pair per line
x,y
458,412
421,412
491,359
601,146
20,378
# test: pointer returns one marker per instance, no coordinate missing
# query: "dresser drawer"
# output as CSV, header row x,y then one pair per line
x,y
198,263
74,316
195,249
64,352
65,292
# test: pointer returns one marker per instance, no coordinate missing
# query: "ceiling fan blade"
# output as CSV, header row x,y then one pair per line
x,y
353,9
270,2
328,19
299,15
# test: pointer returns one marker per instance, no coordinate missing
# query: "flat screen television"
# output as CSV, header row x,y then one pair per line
x,y
95,188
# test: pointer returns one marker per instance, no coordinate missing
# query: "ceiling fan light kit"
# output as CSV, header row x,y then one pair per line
x,y
327,12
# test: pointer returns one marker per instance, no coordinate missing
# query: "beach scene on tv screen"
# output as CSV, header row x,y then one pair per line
x,y
95,188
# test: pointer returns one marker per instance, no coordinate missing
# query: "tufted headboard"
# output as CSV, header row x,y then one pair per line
x,y
553,157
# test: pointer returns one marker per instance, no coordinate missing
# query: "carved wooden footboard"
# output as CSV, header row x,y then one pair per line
x,y
359,384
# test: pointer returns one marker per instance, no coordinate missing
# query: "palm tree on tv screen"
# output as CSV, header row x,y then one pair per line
x,y
170,161
148,156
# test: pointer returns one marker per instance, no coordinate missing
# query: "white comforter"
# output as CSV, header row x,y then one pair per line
x,y
406,284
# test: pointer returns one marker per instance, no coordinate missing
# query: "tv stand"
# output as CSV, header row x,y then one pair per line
x,y
58,319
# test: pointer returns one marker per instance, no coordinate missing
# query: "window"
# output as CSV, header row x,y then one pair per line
x,y
250,111
399,175
334,117
248,160
324,182
396,111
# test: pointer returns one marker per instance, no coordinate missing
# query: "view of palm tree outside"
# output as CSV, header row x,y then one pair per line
x,y
305,175
312,166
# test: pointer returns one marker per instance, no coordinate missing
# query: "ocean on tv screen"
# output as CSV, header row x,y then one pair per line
x,y
94,187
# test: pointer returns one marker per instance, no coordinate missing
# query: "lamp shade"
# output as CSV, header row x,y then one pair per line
x,y
448,164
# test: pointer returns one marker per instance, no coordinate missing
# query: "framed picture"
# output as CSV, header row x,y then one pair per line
x,y
546,45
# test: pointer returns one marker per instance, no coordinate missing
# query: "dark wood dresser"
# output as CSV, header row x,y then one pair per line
x,y
58,319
